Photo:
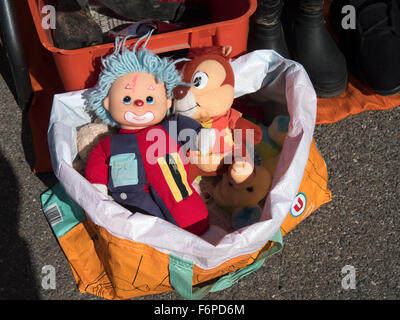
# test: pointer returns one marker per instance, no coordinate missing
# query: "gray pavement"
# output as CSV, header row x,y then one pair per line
x,y
360,227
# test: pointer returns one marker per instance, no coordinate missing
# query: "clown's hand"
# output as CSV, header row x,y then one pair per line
x,y
205,140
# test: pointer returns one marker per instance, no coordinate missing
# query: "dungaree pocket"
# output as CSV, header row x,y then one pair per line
x,y
124,169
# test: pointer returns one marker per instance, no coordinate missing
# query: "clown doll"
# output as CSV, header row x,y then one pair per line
x,y
144,167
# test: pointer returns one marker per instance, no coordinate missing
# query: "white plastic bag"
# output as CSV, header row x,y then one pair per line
x,y
274,79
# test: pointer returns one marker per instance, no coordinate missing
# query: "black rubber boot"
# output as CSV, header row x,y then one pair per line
x,y
372,49
311,45
267,32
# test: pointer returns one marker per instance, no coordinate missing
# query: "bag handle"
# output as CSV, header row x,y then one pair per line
x,y
181,273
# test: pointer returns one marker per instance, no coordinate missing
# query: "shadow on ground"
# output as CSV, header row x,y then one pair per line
x,y
17,280
26,134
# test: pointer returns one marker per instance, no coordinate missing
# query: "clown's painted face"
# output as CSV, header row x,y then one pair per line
x,y
137,101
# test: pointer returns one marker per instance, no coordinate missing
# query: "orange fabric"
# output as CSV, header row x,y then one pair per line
x,y
80,246
314,188
356,99
114,268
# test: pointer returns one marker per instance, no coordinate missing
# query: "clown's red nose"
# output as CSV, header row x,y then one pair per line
x,y
139,103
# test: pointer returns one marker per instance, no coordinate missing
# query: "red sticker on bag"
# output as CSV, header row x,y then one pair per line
x,y
299,205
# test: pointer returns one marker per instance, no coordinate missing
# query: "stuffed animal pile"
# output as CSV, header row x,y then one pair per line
x,y
239,182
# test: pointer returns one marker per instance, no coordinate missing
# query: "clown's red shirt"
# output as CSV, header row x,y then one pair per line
x,y
98,162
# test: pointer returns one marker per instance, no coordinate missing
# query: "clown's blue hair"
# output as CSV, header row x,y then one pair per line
x,y
123,61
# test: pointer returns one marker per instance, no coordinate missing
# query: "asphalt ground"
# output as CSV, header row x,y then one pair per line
x,y
360,227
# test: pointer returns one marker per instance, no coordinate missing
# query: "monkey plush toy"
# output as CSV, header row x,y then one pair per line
x,y
209,100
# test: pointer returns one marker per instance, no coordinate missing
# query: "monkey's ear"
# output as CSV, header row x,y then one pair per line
x,y
226,50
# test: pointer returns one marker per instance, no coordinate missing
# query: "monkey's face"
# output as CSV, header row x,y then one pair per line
x,y
211,93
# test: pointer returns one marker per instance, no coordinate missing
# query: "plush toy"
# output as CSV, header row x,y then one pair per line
x,y
87,137
272,141
144,167
242,201
209,100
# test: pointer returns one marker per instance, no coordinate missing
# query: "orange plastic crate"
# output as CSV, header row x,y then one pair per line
x,y
79,68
